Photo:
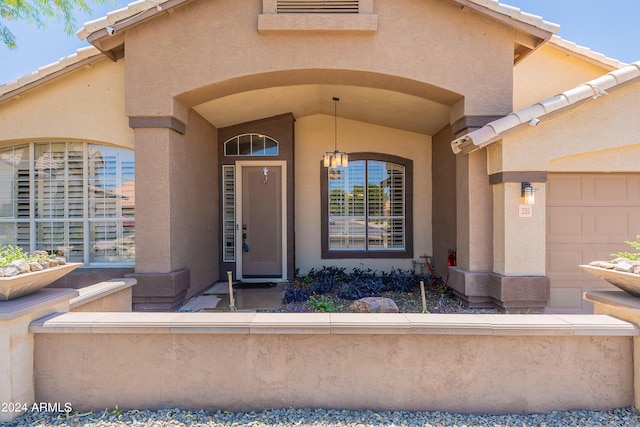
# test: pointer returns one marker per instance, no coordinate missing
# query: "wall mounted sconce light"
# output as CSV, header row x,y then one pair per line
x,y
527,192
336,158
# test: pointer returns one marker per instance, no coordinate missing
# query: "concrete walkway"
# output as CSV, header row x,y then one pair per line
x,y
248,297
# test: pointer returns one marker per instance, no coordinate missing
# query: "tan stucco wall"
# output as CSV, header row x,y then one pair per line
x,y
194,205
549,71
474,216
314,136
86,104
605,125
243,371
209,44
518,242
177,190
601,135
444,199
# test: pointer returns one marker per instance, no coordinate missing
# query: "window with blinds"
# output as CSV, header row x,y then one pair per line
x,y
317,6
367,207
69,198
229,213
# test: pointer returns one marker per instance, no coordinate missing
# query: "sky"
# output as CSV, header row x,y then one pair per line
x,y
610,27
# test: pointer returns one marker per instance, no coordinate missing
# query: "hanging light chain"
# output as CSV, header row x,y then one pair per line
x,y
336,158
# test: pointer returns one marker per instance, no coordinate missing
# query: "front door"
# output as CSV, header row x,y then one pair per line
x,y
261,251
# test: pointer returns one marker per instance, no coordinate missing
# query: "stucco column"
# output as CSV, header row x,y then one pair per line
x,y
474,202
162,285
518,282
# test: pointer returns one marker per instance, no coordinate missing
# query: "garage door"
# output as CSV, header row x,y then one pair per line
x,y
589,216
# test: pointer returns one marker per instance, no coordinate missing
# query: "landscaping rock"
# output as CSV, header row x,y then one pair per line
x,y
374,305
61,260
603,264
44,263
10,271
35,266
624,266
21,265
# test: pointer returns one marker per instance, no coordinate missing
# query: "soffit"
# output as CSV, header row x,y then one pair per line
x,y
376,106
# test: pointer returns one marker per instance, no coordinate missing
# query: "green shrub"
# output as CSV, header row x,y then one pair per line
x,y
323,305
634,256
9,253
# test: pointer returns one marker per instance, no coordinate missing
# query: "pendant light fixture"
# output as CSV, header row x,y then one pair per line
x,y
334,159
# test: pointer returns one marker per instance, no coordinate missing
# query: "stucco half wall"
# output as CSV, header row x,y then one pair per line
x,y
249,361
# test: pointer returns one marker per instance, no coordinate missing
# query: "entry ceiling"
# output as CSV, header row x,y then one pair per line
x,y
376,106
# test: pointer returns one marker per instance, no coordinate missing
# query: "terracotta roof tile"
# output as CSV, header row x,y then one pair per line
x,y
562,44
80,55
131,10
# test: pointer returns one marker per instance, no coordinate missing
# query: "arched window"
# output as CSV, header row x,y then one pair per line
x,y
73,199
251,144
367,208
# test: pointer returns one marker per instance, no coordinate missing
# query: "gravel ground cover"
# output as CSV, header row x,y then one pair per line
x,y
327,418
407,302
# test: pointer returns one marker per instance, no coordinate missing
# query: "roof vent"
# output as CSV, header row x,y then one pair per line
x,y
318,6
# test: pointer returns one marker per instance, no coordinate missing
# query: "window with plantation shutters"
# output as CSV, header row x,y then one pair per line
x,y
229,213
69,198
317,6
367,209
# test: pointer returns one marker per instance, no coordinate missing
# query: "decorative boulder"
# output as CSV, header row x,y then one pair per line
x,y
374,305
35,266
21,265
10,271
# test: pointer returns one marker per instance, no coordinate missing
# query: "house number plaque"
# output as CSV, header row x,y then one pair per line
x,y
525,211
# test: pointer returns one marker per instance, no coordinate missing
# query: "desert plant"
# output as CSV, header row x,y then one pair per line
x,y
634,256
324,305
9,253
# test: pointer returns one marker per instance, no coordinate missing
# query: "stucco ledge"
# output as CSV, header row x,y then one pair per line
x,y
270,24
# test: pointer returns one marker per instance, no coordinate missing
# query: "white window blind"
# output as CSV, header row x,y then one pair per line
x,y
229,213
367,206
70,198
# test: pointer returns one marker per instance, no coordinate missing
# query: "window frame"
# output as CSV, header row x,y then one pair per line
x,y
38,220
326,253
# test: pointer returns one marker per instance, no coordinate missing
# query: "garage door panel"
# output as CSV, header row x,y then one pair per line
x,y
563,225
611,188
591,190
566,299
592,224
589,216
564,189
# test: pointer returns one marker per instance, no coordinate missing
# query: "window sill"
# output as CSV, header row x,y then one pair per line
x,y
272,24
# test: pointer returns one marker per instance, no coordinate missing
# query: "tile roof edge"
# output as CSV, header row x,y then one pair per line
x,y
118,15
558,42
495,130
518,15
81,54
